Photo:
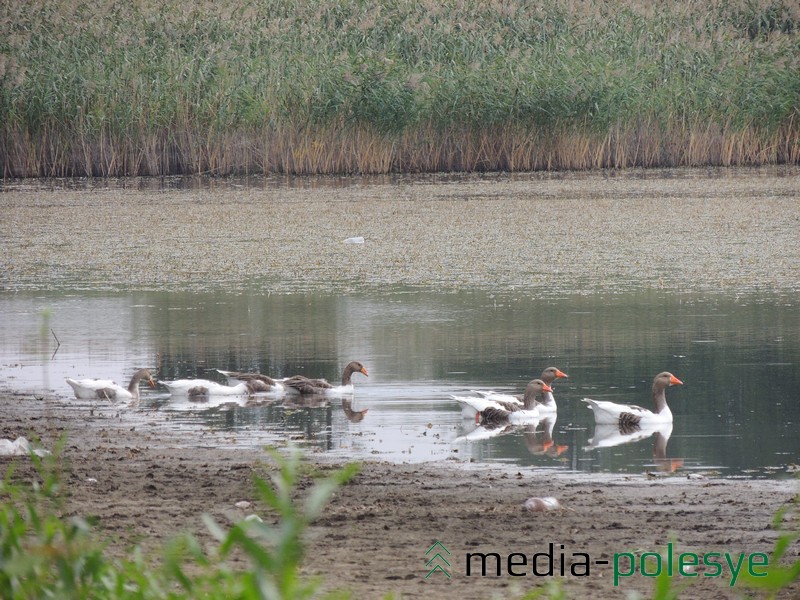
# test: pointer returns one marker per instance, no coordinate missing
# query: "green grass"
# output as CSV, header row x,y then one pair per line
x,y
110,88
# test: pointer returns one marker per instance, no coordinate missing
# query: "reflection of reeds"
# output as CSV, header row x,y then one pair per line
x,y
305,87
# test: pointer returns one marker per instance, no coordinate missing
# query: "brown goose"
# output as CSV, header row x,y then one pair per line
x,y
299,384
549,375
629,416
258,382
105,389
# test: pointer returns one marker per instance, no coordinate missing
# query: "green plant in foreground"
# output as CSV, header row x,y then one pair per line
x,y
773,578
43,555
552,590
275,552
778,575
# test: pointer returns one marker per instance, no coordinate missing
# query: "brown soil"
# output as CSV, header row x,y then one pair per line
x,y
146,482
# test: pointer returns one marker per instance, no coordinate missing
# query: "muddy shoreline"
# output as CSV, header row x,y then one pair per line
x,y
144,483
732,233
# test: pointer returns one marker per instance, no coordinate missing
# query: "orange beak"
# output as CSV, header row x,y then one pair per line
x,y
364,371
674,380
152,382
560,374
547,388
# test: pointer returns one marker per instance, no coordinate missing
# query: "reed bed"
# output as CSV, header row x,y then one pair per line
x,y
114,88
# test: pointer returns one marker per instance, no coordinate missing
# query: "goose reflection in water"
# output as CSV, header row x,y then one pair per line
x,y
306,401
354,416
486,431
608,436
540,442
537,434
323,401
481,432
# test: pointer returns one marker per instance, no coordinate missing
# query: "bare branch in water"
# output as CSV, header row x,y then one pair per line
x,y
58,344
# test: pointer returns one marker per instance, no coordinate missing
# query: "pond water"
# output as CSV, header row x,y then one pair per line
x,y
738,356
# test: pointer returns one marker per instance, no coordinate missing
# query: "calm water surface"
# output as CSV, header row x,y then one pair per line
x,y
739,358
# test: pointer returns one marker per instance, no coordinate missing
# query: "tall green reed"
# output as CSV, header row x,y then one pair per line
x,y
158,87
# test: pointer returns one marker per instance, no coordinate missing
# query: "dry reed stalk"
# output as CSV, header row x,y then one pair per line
x,y
789,142
360,149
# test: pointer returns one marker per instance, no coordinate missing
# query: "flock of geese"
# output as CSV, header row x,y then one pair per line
x,y
489,413
489,409
239,384
615,424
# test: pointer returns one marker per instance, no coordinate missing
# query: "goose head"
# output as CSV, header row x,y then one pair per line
x,y
665,380
550,374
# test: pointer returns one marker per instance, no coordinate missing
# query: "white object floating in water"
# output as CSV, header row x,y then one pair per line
x,y
354,240
542,504
19,447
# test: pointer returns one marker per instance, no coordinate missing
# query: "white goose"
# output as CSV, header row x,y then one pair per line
x,y
496,412
106,389
628,416
548,402
203,388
